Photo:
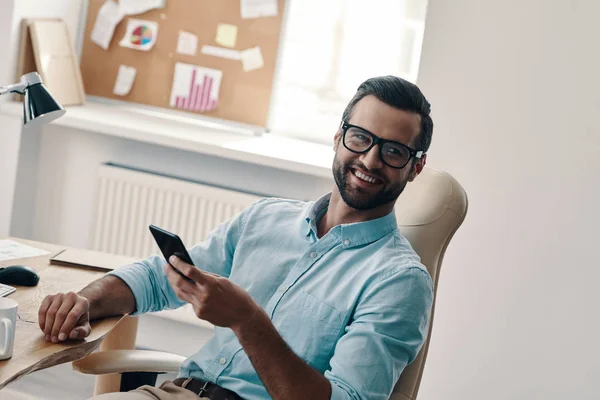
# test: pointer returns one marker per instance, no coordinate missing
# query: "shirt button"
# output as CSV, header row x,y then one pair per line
x,y
222,360
346,242
313,254
282,289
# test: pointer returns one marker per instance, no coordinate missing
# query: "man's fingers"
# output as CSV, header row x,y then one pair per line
x,y
182,287
190,271
43,310
51,314
61,315
177,280
75,316
80,332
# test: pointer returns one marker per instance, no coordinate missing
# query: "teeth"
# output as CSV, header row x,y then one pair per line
x,y
363,177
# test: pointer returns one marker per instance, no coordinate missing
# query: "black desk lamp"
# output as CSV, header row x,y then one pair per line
x,y
39,107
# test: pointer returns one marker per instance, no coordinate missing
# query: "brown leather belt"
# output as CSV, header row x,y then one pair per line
x,y
206,389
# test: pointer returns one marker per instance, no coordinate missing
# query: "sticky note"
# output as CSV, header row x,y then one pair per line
x,y
252,59
187,43
124,82
226,35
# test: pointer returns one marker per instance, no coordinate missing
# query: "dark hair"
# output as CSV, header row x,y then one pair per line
x,y
400,94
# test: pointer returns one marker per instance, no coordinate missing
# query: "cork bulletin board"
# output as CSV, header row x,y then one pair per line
x,y
244,96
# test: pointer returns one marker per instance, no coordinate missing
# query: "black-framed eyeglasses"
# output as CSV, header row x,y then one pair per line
x,y
394,154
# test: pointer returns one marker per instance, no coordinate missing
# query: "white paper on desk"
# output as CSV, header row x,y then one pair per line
x,y
134,7
258,8
252,59
11,250
187,43
221,52
107,20
124,82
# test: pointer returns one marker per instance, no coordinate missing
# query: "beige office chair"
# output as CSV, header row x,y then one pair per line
x,y
430,211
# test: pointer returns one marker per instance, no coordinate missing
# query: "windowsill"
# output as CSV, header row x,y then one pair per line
x,y
192,135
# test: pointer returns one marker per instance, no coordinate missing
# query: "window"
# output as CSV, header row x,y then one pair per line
x,y
329,47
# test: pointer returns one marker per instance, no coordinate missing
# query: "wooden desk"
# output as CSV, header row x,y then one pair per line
x,y
31,352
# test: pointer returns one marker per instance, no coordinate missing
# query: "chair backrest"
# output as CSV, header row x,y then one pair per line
x,y
429,212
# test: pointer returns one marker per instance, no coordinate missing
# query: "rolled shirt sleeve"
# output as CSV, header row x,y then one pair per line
x,y
387,331
147,279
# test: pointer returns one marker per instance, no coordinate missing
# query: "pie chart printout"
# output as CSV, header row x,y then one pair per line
x,y
140,34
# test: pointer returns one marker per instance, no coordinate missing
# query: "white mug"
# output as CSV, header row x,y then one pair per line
x,y
8,325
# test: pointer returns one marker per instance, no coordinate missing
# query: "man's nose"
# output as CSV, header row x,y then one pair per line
x,y
371,158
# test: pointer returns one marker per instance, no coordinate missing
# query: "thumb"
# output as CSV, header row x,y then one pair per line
x,y
80,332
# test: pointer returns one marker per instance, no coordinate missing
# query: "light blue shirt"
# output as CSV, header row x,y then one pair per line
x,y
354,304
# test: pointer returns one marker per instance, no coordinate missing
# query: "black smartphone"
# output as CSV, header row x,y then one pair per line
x,y
170,244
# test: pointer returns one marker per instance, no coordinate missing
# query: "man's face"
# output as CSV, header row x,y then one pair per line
x,y
350,169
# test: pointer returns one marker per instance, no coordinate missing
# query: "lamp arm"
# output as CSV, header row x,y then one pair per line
x,y
16,88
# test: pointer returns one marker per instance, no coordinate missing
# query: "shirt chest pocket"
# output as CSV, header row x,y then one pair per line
x,y
312,328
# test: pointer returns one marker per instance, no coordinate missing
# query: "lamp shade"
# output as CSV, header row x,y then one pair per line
x,y
39,107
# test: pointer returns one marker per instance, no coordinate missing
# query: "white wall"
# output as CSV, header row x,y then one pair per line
x,y
514,87
9,141
11,14
9,149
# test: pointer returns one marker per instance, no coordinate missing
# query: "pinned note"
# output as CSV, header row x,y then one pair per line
x,y
134,7
222,52
258,8
195,88
124,82
107,19
252,59
140,34
187,43
226,35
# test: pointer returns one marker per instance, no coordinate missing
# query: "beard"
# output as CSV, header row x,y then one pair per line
x,y
358,198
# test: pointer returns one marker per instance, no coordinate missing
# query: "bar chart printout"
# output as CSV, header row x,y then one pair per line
x,y
195,88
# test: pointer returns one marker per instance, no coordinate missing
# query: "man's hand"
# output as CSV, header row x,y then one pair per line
x,y
64,315
215,299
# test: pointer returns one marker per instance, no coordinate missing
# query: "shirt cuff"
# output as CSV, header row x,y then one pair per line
x,y
130,275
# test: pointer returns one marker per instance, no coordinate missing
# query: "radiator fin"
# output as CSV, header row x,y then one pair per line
x,y
128,201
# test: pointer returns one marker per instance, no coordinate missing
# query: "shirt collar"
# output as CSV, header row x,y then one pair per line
x,y
354,234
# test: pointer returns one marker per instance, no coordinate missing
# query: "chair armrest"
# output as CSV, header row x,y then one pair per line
x,y
120,361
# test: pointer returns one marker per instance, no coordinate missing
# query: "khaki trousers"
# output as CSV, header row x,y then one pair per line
x,y
166,391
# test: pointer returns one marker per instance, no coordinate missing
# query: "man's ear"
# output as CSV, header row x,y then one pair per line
x,y
336,139
417,168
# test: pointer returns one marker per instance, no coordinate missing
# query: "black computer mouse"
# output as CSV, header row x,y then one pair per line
x,y
19,275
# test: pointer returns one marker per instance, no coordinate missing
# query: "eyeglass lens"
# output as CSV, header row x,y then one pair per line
x,y
393,154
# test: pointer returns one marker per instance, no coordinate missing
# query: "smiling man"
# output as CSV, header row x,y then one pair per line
x,y
317,300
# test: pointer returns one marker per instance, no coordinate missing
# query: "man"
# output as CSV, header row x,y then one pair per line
x,y
318,300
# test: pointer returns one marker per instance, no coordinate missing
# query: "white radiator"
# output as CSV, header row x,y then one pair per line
x,y
128,201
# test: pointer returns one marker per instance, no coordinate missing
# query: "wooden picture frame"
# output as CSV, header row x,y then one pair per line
x,y
46,48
